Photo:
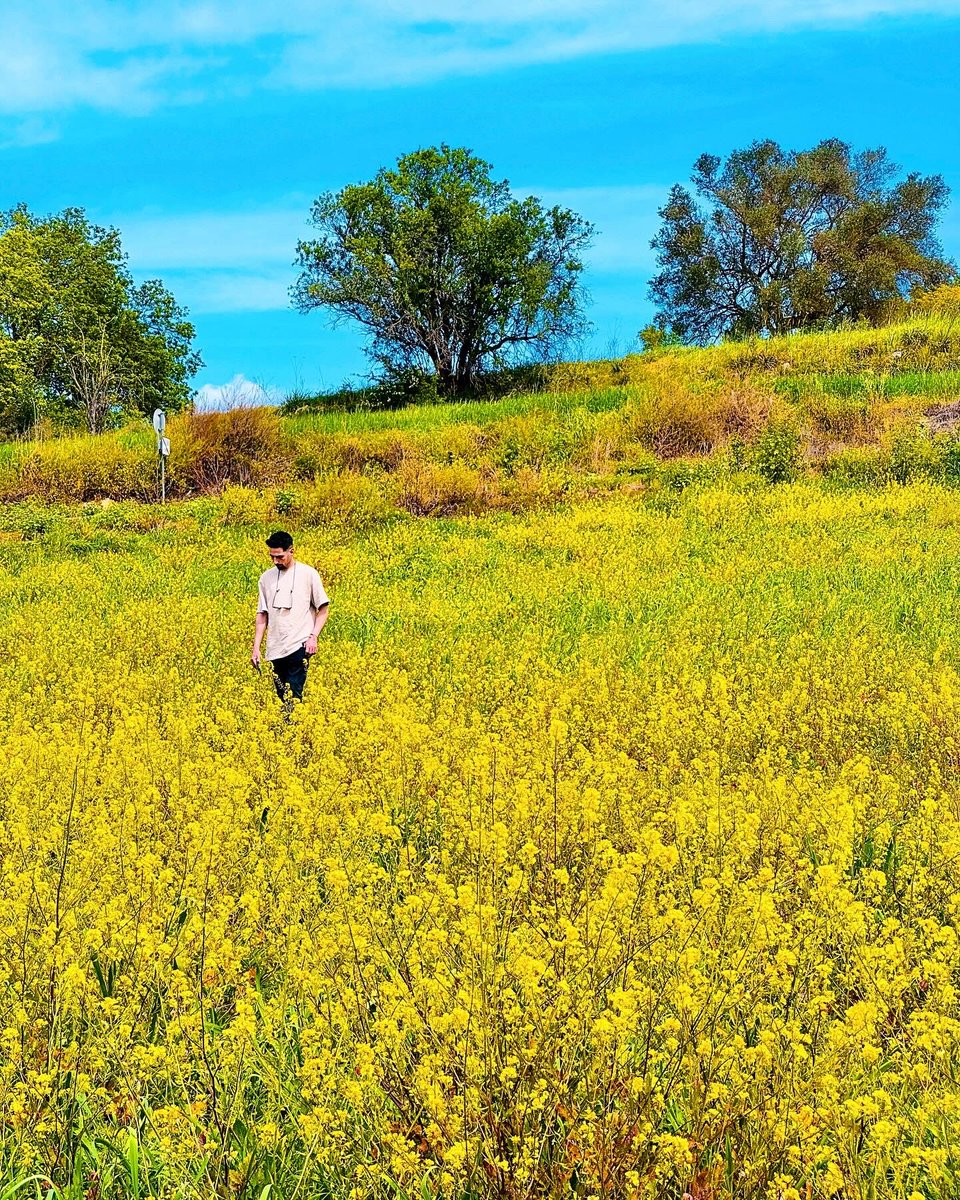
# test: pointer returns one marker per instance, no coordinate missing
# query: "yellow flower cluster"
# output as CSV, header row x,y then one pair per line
x,y
613,852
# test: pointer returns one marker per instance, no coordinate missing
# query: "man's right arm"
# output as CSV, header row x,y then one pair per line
x,y
261,629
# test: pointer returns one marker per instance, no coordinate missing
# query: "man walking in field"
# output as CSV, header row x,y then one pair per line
x,y
292,610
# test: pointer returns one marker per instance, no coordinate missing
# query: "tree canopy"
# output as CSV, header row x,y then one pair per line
x,y
444,268
77,335
788,240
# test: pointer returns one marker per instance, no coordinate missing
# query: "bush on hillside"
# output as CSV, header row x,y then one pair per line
x,y
464,442
531,441
246,506
681,473
595,374
320,453
858,466
244,446
913,455
527,488
943,301
347,499
909,454
345,399
428,490
675,418
776,453
79,469
843,416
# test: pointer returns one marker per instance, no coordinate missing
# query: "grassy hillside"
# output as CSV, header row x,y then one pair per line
x,y
853,406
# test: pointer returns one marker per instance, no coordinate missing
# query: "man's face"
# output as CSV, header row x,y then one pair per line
x,y
281,558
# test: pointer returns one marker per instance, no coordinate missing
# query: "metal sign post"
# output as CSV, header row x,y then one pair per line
x,y
163,449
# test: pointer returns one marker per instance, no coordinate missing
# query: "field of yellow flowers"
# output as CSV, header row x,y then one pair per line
x,y
615,852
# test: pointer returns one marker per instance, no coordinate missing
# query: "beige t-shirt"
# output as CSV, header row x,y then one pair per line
x,y
290,599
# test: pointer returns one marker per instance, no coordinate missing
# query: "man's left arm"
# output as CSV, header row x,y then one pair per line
x,y
319,620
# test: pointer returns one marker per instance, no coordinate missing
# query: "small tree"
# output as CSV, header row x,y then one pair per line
x,y
785,241
92,341
444,267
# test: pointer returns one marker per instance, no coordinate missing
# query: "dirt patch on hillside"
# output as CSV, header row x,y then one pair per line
x,y
945,418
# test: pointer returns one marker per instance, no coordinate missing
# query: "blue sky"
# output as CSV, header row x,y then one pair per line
x,y
203,131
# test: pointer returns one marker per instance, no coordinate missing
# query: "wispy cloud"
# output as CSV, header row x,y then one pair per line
x,y
226,291
259,237
219,262
134,56
30,131
243,261
215,239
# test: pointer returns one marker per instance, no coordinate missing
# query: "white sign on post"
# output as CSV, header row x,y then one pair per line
x,y
163,449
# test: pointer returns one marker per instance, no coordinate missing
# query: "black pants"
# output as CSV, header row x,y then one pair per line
x,y
290,671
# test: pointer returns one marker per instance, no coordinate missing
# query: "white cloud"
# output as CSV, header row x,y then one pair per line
x,y
215,239
239,392
31,131
231,291
219,262
134,56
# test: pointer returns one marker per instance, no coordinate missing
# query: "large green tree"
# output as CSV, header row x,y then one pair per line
x,y
444,268
772,241
77,335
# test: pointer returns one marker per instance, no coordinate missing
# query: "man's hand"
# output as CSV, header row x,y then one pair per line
x,y
310,645
255,658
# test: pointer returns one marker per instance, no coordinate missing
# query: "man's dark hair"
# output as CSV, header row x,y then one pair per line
x,y
280,540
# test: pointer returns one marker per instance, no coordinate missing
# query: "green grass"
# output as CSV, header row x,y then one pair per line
x,y
425,417
935,385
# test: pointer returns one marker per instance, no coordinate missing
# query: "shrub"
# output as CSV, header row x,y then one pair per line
x,y
285,501
245,506
776,453
603,449
681,473
844,416
403,385
912,454
535,441
674,419
465,442
347,499
243,446
511,381
743,409
346,399
79,469
427,490
528,488
949,455
858,466
594,375
30,520
323,452
125,516
942,301
636,460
